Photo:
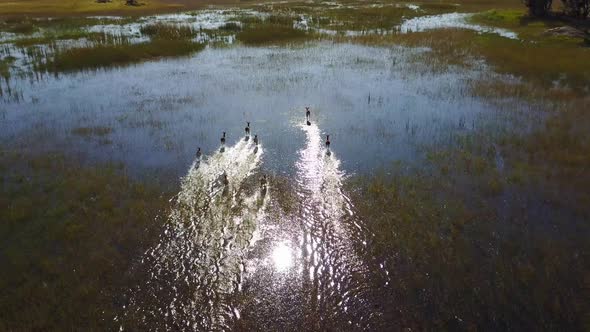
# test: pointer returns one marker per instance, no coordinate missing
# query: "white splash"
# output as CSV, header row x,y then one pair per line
x,y
201,252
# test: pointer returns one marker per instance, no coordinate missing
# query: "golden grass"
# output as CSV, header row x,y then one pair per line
x,y
67,7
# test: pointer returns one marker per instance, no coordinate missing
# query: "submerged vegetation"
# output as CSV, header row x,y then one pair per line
x,y
77,7
463,261
272,29
68,233
270,33
167,31
490,232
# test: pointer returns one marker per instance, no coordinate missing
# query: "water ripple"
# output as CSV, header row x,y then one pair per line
x,y
197,265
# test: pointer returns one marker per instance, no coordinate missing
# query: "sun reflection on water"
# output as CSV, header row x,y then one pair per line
x,y
282,257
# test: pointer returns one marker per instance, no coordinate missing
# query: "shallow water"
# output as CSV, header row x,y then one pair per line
x,y
451,20
229,256
223,243
374,102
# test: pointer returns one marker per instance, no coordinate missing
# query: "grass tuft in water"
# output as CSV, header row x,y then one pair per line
x,y
103,56
270,34
92,131
167,31
5,65
231,26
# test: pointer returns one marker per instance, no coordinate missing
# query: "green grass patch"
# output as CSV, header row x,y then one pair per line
x,y
270,34
5,65
546,63
167,31
103,56
92,131
501,18
51,37
24,28
368,18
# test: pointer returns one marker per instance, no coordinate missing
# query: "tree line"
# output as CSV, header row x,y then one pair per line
x,y
576,8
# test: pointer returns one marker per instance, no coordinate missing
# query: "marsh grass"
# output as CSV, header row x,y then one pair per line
x,y
546,61
458,260
5,65
367,17
167,31
49,38
231,26
489,231
24,28
103,56
53,23
537,56
266,33
92,131
77,7
69,232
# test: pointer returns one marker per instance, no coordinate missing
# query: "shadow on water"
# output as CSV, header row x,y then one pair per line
x,y
198,262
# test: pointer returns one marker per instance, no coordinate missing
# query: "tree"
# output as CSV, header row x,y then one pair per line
x,y
578,8
539,7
